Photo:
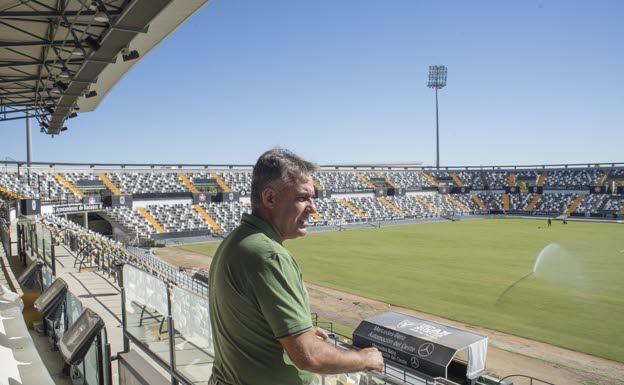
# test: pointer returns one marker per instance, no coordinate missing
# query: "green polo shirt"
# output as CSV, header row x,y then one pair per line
x,y
257,295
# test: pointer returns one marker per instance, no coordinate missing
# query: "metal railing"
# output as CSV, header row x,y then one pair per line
x,y
532,380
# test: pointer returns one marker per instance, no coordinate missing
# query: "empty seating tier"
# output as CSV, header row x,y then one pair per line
x,y
69,185
479,202
157,226
224,186
213,224
458,182
351,207
189,185
109,184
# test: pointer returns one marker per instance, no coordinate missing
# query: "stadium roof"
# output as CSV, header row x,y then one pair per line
x,y
59,58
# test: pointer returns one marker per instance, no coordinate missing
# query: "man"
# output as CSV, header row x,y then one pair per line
x,y
259,312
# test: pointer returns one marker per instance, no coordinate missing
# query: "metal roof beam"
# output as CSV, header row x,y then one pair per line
x,y
34,43
18,79
50,14
39,62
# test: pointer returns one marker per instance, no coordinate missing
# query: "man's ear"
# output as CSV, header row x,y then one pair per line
x,y
268,197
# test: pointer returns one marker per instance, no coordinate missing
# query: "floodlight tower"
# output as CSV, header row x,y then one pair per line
x,y
437,80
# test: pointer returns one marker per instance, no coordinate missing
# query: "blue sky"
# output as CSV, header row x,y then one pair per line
x,y
530,82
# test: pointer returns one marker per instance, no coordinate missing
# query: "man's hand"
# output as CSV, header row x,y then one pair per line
x,y
373,360
321,333
308,351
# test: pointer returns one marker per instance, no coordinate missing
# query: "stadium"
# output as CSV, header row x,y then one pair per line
x,y
514,271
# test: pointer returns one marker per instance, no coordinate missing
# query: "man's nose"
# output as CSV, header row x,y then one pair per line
x,y
312,207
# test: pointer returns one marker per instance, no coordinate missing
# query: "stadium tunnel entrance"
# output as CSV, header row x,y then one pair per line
x,y
92,221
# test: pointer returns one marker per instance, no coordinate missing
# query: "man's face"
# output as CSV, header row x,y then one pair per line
x,y
292,207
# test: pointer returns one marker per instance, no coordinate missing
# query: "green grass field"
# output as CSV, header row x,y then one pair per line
x,y
459,270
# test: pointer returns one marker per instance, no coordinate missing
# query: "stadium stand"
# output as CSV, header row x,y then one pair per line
x,y
573,178
332,210
556,202
131,221
147,182
351,201
411,207
495,180
178,217
615,204
226,214
340,181
410,180
592,204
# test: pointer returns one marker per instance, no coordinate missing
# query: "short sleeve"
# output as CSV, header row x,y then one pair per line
x,y
281,295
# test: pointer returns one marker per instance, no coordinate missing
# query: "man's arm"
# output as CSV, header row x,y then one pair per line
x,y
310,352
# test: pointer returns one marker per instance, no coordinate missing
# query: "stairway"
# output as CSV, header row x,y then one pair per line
x,y
211,222
392,206
574,205
109,184
431,179
351,207
69,185
457,203
458,182
479,203
155,224
602,179
187,182
365,180
221,182
534,202
423,202
541,181
506,199
389,182
511,179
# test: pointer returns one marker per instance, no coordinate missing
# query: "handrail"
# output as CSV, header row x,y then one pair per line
x,y
531,379
336,167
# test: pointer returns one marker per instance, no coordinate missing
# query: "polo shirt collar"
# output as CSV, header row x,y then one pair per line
x,y
261,224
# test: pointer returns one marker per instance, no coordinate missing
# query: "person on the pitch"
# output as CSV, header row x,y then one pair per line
x,y
549,222
259,312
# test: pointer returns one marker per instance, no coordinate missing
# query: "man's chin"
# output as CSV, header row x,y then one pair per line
x,y
302,231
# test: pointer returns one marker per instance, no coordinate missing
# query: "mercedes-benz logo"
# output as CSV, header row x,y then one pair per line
x,y
415,363
425,350
405,324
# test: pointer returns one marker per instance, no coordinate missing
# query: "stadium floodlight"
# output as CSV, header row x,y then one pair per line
x,y
437,80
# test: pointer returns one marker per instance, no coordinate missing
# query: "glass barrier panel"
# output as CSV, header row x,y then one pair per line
x,y
47,243
47,277
146,310
39,233
89,367
194,352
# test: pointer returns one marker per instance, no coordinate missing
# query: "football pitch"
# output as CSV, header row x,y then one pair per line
x,y
482,272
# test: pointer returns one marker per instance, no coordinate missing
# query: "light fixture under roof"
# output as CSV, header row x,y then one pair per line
x,y
77,52
101,17
65,74
93,43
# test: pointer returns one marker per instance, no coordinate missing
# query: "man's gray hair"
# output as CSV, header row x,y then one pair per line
x,y
275,168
